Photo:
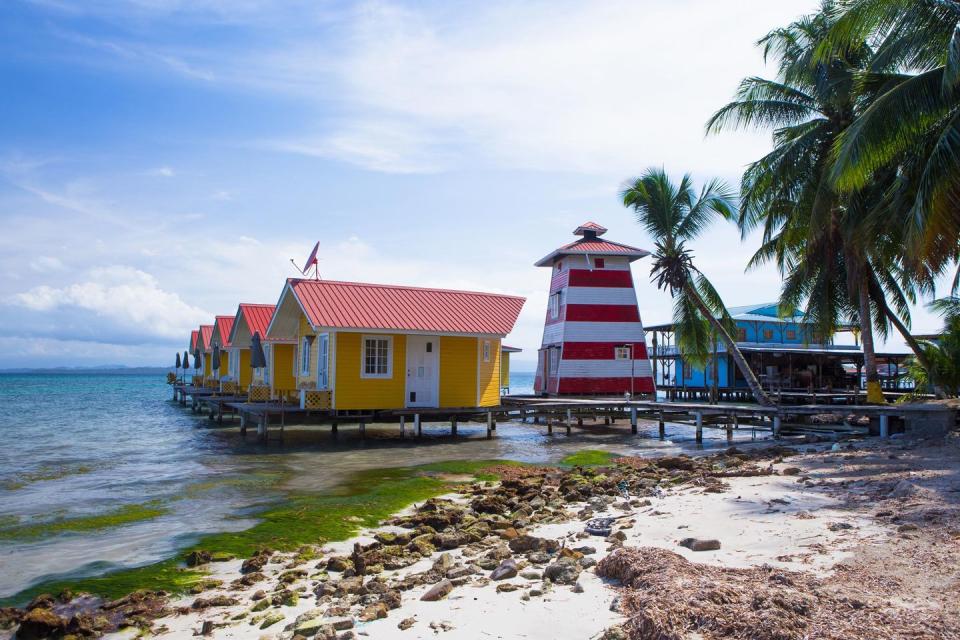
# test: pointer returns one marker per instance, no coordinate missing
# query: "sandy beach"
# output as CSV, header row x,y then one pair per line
x,y
876,522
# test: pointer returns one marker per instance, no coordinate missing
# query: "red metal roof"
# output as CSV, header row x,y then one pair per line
x,y
193,339
257,317
224,325
590,226
358,305
206,332
592,246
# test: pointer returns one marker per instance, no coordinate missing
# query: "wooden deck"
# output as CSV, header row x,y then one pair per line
x,y
570,413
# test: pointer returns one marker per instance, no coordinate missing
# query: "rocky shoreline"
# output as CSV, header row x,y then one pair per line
x,y
756,530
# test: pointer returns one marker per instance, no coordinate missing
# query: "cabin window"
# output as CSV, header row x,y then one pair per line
x,y
559,266
323,361
306,345
791,334
768,334
555,306
598,263
741,334
621,353
486,351
377,357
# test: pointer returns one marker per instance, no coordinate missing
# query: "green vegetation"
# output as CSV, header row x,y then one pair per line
x,y
943,353
124,515
674,215
45,473
298,519
589,458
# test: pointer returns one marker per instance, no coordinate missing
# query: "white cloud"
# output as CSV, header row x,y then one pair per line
x,y
162,172
46,264
121,295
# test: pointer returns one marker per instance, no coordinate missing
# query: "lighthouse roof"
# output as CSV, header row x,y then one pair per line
x,y
591,244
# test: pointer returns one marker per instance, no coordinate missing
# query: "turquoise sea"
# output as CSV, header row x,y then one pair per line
x,y
99,472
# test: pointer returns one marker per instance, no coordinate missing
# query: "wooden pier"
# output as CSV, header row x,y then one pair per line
x,y
582,413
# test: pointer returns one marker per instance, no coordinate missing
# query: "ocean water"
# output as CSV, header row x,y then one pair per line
x,y
78,446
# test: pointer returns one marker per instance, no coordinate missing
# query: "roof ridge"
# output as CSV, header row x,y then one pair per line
x,y
402,286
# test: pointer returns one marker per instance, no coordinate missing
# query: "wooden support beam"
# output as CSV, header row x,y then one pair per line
x,y
491,424
699,415
334,429
418,425
884,425
403,426
633,420
776,426
453,426
661,426
363,430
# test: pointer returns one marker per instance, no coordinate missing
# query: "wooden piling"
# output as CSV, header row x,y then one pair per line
x,y
490,424
453,426
418,425
633,420
661,426
403,426
699,415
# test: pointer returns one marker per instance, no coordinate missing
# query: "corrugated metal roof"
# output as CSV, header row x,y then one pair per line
x,y
206,332
257,317
358,305
590,226
193,339
593,246
509,349
224,324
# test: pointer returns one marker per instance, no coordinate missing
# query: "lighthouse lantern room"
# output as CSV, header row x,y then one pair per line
x,y
593,341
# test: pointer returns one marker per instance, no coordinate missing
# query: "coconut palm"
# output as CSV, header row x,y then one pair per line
x,y
914,120
824,241
674,215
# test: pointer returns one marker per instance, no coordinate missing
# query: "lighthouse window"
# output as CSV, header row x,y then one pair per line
x,y
598,263
555,306
559,266
622,353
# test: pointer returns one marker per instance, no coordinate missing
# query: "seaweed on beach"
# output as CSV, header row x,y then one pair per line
x,y
667,597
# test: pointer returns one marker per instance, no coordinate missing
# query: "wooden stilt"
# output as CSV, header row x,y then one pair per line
x,y
699,426
453,426
549,426
490,424
418,425
884,426
776,426
569,420
333,429
403,426
363,429
661,425
633,420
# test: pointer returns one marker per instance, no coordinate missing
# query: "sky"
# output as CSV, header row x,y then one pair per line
x,y
162,161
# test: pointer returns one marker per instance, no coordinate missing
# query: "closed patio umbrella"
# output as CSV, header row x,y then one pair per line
x,y
258,358
215,359
186,360
197,359
177,365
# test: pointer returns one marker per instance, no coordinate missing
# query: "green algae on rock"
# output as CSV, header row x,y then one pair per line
x,y
589,458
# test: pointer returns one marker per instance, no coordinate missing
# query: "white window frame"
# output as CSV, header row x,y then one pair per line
x,y
323,361
622,353
555,305
265,369
487,348
306,343
363,357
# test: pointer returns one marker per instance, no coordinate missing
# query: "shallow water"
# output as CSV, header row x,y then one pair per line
x,y
82,445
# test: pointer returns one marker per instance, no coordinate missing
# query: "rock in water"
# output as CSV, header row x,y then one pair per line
x,y
696,544
506,570
438,591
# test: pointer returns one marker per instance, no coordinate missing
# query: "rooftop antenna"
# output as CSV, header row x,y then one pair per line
x,y
312,261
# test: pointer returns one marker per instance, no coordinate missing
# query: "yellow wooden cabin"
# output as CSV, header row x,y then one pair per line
x,y
277,378
505,352
365,346
206,350
220,337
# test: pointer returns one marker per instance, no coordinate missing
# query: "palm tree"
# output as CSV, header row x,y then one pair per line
x,y
822,240
674,215
942,353
913,122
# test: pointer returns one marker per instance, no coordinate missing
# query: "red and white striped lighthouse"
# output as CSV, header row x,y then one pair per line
x,y
593,342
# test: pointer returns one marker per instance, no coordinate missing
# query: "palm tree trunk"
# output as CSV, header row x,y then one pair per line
x,y
874,392
918,351
758,393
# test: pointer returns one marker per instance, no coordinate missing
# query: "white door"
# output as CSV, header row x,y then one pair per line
x,y
423,375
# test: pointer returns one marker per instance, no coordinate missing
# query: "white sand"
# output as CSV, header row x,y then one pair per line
x,y
762,520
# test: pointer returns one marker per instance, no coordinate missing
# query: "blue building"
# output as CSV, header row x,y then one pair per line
x,y
785,353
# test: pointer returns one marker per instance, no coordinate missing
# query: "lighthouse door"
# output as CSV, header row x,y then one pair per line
x,y
423,376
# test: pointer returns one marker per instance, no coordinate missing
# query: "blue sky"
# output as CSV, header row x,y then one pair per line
x,y
162,160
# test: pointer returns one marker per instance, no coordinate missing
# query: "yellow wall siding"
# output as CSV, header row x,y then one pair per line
x,y
489,373
224,363
458,371
282,379
354,392
244,373
504,369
